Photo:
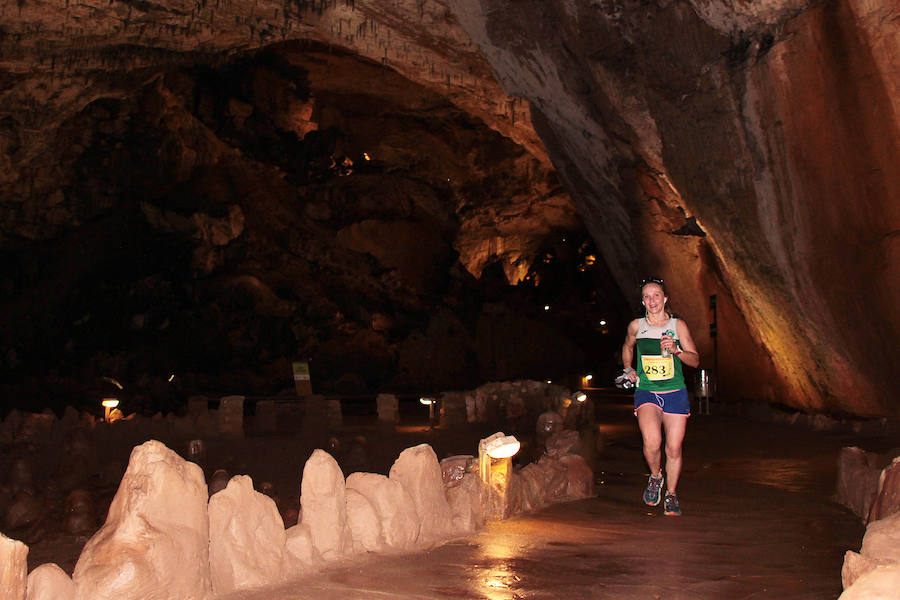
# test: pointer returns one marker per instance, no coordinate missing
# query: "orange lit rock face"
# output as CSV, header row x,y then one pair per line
x,y
778,140
771,125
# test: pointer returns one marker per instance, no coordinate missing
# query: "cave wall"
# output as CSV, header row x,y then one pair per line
x,y
737,149
774,128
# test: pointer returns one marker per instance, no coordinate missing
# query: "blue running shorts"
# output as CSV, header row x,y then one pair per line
x,y
672,403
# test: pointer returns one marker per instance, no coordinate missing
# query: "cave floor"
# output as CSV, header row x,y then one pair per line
x,y
759,522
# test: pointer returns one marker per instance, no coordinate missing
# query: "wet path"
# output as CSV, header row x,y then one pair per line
x,y
759,522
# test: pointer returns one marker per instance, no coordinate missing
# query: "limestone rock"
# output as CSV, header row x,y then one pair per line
x,y
300,555
882,539
13,569
880,547
857,480
534,478
418,470
246,538
394,506
856,565
365,526
50,582
562,443
556,478
580,477
887,497
881,583
323,505
154,543
466,502
453,468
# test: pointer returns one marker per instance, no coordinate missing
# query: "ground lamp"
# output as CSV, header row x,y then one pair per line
x,y
108,405
495,465
429,402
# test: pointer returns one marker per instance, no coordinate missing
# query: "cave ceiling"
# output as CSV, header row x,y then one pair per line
x,y
743,150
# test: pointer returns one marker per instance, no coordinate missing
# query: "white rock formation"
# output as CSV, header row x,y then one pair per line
x,y
246,538
887,498
13,569
365,525
394,506
300,555
418,470
154,543
322,500
880,548
466,500
881,583
49,582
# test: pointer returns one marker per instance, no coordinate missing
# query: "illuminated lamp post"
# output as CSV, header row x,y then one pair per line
x,y
108,405
429,402
495,466
586,380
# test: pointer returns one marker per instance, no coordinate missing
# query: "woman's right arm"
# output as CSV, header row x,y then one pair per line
x,y
628,349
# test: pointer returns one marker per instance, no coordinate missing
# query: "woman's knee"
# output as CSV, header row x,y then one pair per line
x,y
652,440
673,450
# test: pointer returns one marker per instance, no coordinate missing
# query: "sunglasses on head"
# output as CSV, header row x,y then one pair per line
x,y
656,280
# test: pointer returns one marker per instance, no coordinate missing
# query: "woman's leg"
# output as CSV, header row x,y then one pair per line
x,y
675,426
650,421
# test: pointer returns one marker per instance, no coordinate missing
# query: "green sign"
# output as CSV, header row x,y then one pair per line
x,y
301,371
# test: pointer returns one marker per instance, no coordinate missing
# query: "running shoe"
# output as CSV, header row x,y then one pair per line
x,y
671,506
653,492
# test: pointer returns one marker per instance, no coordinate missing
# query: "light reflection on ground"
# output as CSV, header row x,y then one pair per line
x,y
787,474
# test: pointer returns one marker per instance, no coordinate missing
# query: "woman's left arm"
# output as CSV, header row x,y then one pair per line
x,y
689,354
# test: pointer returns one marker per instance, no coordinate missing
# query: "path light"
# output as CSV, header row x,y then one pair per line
x,y
108,405
502,446
429,402
580,396
586,380
495,465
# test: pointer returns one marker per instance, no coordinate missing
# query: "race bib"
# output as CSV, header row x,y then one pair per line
x,y
658,368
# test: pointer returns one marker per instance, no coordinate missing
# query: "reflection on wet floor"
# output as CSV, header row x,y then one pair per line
x,y
791,475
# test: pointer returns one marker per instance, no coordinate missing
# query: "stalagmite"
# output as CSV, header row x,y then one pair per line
x,y
466,500
246,538
580,481
399,519
365,526
418,470
300,556
50,582
323,505
154,543
13,568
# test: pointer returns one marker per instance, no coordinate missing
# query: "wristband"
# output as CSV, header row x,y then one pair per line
x,y
678,352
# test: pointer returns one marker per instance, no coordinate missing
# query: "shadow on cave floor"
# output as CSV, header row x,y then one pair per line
x,y
759,522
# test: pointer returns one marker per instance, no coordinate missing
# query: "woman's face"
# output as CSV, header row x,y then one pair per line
x,y
653,298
